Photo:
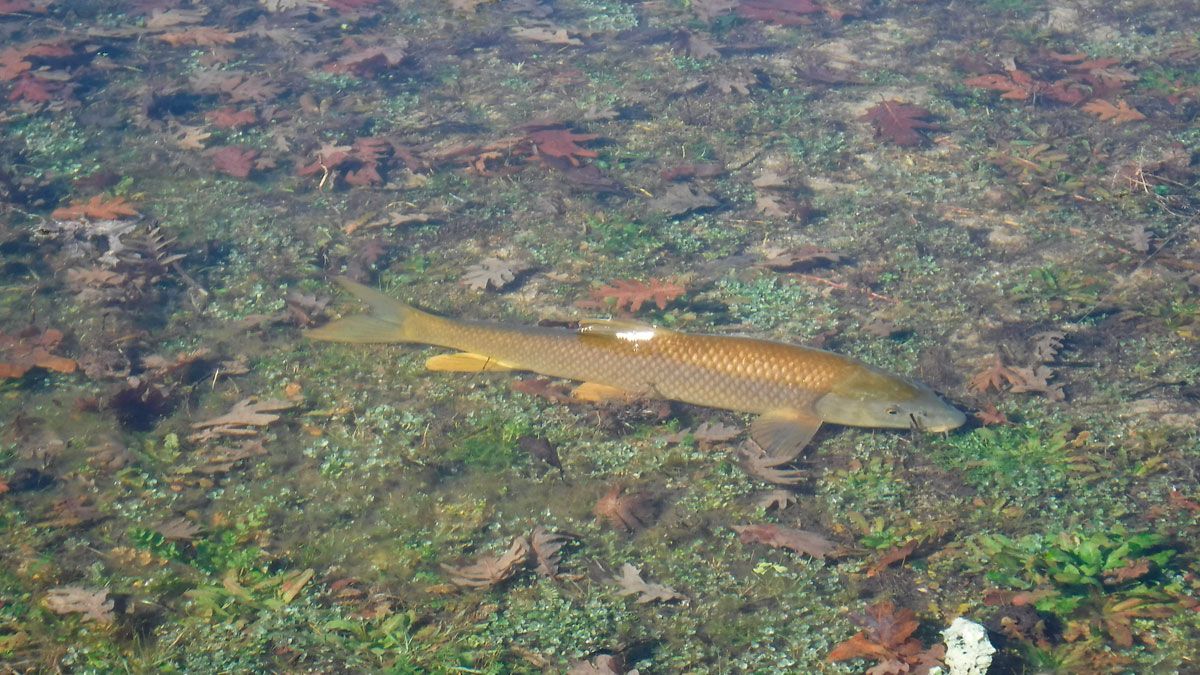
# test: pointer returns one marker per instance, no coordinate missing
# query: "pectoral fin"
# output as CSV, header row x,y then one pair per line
x,y
784,433
466,362
597,393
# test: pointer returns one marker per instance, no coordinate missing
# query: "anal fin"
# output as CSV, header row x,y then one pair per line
x,y
466,362
782,434
596,393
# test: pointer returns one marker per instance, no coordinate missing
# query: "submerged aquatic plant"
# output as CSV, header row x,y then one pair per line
x,y
1089,581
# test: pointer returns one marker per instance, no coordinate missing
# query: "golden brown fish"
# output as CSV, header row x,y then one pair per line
x,y
793,389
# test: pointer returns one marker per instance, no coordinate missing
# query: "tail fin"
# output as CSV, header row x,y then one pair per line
x,y
390,320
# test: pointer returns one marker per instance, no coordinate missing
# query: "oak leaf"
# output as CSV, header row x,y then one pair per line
x,y
887,639
631,583
758,463
241,419
633,294
624,511
705,433
901,123
995,376
236,161
491,272
200,36
895,554
490,570
800,541
31,348
229,118
1117,114
545,546
96,208
93,605
178,529
562,144
547,34
781,12
682,198
776,499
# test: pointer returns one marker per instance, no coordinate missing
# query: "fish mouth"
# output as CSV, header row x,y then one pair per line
x,y
949,421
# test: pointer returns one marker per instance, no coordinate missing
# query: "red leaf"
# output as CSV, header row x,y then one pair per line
x,y
234,160
96,208
899,122
634,294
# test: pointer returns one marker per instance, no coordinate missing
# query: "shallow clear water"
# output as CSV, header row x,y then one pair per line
x,y
998,199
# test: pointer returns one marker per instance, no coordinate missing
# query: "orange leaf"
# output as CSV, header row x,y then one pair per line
x,y
96,208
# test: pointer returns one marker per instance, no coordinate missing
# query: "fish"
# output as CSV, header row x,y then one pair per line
x,y
793,390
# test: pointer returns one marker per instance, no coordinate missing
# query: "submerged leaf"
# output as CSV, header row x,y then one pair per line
x,y
631,583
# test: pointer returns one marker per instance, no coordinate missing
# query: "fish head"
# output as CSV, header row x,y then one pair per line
x,y
870,397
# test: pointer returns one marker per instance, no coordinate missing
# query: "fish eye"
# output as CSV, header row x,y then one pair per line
x,y
893,410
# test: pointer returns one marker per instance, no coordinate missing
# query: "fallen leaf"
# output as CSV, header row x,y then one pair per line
x,y
633,294
545,546
491,272
241,419
901,123
178,529
776,499
1120,113
892,556
96,208
681,198
491,570
547,35
31,348
623,511
293,583
94,605
631,583
800,541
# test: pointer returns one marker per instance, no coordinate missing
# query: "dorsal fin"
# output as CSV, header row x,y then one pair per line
x,y
621,329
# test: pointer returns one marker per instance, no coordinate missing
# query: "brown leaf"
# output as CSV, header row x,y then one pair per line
x,y
236,161
241,418
800,541
545,546
1035,379
601,664
995,376
1117,114
885,638
892,556
705,434
633,294
799,259
681,198
31,348
780,12
96,208
490,570
631,583
901,123
178,529
561,144
765,467
94,605
1134,569
548,35
200,36
623,511
1047,345
492,272
776,499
